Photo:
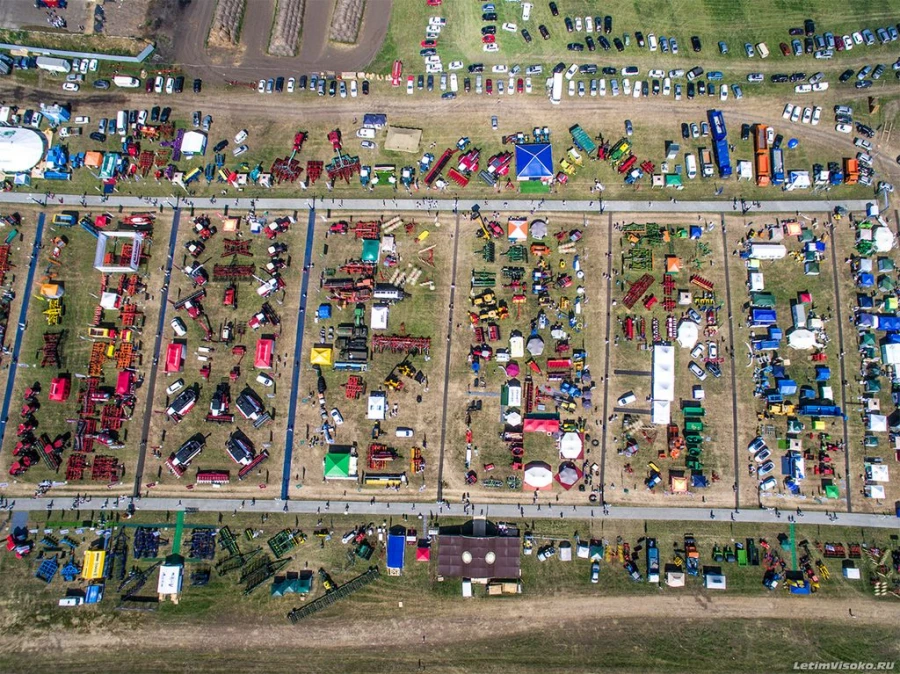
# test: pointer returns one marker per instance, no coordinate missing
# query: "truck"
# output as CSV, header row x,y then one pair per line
x,y
720,140
556,88
777,166
763,169
706,164
851,171
690,165
652,561
126,81
692,555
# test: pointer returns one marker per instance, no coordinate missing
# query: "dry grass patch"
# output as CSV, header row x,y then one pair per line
x,y
286,27
346,20
226,25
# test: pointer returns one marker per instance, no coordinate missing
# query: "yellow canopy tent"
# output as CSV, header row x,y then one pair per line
x,y
321,355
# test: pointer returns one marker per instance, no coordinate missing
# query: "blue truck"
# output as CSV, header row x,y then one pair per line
x,y
720,142
652,561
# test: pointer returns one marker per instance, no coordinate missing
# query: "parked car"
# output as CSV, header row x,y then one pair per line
x,y
768,484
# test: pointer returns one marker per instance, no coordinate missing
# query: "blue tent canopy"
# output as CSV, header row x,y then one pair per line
x,y
534,161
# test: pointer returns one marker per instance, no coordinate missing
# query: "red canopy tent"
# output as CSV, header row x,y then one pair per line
x,y
541,425
124,382
264,349
60,388
423,554
175,354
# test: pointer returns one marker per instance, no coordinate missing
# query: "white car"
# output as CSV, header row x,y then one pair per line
x,y
626,86
290,85
803,88
175,386
788,111
178,327
603,87
260,87
93,65
404,432
571,87
170,85
807,116
454,83
578,24
455,65
762,455
70,86
764,470
158,84
526,10
336,416
848,42
241,136
768,484
588,24
503,69
843,128
626,399
667,87
367,145
354,89
820,86
410,85
698,350
510,27
697,371
573,69
637,89
756,445
142,117
795,115
713,349
238,151
723,93
527,85
857,38
82,120
817,115
265,379
490,48
656,73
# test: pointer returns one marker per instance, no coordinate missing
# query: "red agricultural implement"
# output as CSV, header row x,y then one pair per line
x,y
637,290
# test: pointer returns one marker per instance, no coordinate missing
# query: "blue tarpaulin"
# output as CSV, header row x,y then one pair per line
x,y
823,373
534,161
396,546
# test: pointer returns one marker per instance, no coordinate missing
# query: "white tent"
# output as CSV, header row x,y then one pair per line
x,y
757,281
538,229
877,472
513,418
767,251
877,423
883,239
565,551
380,314
663,383
570,446
538,475
193,142
535,345
875,491
688,334
675,578
802,339
849,570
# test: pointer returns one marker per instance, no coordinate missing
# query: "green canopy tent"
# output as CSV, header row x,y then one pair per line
x,y
370,250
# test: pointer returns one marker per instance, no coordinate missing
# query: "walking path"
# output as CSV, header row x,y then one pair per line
x,y
157,345
298,349
447,204
20,328
354,510
734,406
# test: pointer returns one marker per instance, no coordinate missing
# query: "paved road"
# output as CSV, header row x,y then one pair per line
x,y
298,349
20,328
367,510
157,345
448,205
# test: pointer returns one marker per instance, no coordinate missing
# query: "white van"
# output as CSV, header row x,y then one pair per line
x,y
366,133
652,42
690,165
626,399
763,50
122,122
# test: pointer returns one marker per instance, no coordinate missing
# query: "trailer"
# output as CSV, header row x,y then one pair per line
x,y
720,139
652,561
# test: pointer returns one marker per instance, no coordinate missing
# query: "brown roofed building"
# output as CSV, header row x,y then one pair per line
x,y
478,550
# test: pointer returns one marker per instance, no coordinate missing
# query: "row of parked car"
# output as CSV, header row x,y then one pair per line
x,y
316,83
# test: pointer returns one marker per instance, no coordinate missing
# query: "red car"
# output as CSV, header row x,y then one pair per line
x,y
433,3
489,87
488,39
428,44
785,50
520,85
